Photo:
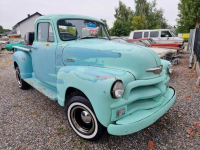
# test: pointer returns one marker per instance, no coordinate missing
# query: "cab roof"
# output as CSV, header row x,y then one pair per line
x,y
147,30
56,17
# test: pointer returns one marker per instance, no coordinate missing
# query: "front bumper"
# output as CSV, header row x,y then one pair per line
x,y
124,127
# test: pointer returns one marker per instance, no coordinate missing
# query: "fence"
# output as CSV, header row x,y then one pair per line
x,y
197,44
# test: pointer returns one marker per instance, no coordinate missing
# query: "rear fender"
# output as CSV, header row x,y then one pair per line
x,y
24,62
95,83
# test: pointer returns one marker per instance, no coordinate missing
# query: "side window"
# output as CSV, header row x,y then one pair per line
x,y
51,35
146,34
154,34
45,32
42,33
137,35
165,34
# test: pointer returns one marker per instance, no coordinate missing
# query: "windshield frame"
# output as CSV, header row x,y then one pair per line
x,y
106,31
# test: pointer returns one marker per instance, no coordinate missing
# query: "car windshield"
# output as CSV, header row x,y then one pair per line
x,y
118,40
81,29
152,41
172,33
146,42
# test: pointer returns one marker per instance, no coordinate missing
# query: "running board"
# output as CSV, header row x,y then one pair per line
x,y
50,93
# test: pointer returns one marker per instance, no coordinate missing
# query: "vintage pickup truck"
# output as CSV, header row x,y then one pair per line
x,y
102,83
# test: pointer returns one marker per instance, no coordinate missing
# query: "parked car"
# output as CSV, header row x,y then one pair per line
x,y
3,42
164,53
10,47
158,35
118,39
177,46
102,83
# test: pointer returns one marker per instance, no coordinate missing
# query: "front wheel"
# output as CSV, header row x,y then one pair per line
x,y
82,118
22,84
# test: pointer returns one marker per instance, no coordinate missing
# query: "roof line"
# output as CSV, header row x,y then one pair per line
x,y
37,13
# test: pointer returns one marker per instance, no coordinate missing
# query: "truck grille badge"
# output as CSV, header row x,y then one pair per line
x,y
155,70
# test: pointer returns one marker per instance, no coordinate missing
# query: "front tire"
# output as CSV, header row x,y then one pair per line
x,y
82,118
22,84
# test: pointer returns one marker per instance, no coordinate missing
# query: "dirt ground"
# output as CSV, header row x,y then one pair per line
x,y
29,120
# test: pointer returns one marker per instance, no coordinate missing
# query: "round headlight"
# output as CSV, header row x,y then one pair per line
x,y
170,68
117,89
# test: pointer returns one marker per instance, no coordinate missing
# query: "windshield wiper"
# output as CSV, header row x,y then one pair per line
x,y
86,37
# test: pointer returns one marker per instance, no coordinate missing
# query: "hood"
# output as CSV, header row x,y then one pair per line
x,y
116,55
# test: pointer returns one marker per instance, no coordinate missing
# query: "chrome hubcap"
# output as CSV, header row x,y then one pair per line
x,y
85,116
82,120
18,78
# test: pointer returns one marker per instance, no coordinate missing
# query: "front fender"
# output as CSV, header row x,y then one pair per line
x,y
24,62
95,83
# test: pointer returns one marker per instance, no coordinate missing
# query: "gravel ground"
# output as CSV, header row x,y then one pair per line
x,y
29,120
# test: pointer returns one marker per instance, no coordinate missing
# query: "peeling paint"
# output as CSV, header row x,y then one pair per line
x,y
69,60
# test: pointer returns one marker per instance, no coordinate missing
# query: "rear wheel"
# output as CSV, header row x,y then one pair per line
x,y
22,84
82,118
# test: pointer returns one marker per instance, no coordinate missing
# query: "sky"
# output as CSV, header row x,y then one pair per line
x,y
13,11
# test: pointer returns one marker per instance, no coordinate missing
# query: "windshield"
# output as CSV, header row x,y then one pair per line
x,y
80,29
152,41
145,42
119,40
172,33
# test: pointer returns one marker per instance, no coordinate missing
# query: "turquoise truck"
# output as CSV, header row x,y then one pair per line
x,y
105,85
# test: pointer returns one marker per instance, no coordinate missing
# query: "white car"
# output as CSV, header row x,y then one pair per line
x,y
158,35
3,43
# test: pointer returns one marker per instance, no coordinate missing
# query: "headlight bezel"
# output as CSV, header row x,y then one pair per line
x,y
170,68
115,87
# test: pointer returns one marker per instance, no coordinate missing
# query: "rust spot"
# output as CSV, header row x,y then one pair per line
x,y
47,45
103,77
116,78
104,91
69,60
23,59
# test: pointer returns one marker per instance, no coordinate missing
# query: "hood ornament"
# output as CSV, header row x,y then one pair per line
x,y
155,70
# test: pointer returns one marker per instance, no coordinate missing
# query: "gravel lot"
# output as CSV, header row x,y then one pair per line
x,y
29,120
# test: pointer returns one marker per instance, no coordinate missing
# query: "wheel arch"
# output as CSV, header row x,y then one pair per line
x,y
24,61
71,91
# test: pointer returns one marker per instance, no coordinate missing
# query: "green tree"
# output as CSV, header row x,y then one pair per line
x,y
138,22
105,22
123,13
3,30
154,17
189,15
122,24
120,28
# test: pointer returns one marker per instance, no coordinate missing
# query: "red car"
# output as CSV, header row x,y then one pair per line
x,y
151,43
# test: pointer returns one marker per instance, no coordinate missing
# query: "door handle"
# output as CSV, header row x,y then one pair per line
x,y
34,47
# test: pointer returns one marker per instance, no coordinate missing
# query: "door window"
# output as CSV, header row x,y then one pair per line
x,y
165,34
45,32
154,34
146,34
137,35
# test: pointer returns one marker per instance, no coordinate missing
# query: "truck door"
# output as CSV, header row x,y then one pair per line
x,y
166,37
44,52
